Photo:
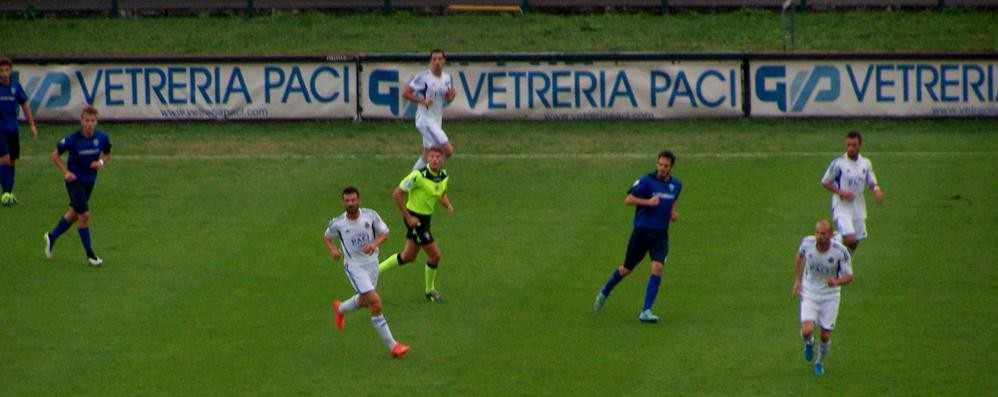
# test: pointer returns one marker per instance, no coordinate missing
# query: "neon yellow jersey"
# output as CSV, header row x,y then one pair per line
x,y
424,190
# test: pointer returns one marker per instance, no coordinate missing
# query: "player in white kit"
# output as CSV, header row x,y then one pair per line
x,y
430,89
361,231
847,177
823,266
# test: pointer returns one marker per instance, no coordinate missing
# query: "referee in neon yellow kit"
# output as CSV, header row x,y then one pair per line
x,y
416,197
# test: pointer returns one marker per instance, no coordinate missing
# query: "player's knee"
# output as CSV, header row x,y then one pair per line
x,y
624,271
375,306
806,328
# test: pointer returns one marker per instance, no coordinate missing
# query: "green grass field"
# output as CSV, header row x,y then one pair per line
x,y
216,281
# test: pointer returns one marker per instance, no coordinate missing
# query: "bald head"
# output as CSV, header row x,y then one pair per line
x,y
823,233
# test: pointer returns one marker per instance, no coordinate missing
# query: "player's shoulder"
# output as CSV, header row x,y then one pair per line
x,y
337,220
840,248
369,213
808,241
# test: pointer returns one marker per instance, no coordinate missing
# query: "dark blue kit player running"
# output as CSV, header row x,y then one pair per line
x,y
654,195
89,150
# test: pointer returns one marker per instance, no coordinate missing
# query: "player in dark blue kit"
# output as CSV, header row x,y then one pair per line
x,y
12,96
89,149
655,197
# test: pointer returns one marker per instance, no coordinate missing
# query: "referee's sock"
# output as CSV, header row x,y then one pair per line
x,y
391,263
430,274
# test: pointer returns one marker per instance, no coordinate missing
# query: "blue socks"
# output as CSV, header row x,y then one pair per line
x,y
60,228
7,178
651,291
612,282
85,239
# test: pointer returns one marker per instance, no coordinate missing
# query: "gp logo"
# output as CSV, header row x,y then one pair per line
x,y
53,89
821,84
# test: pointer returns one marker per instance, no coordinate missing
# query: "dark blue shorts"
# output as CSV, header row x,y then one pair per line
x,y
79,195
655,243
10,144
420,234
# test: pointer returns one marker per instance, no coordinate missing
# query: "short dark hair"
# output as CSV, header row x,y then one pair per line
x,y
436,50
855,134
89,110
350,190
6,61
668,154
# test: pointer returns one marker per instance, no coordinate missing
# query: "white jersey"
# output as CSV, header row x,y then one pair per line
x,y
426,85
819,266
354,234
852,176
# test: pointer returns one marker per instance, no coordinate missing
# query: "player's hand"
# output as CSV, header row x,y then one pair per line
x,y
653,201
337,254
451,93
370,248
69,176
846,195
450,208
796,290
427,102
412,221
832,282
674,217
34,132
878,195
96,165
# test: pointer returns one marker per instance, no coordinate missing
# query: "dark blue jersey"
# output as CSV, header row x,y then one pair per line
x,y
658,217
84,151
11,98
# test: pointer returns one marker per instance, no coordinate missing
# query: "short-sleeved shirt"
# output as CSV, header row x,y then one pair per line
x,y
819,266
11,98
83,151
657,217
852,176
354,234
427,85
424,189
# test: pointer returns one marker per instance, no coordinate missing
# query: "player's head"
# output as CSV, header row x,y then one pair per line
x,y
6,69
88,120
823,233
854,141
437,59
435,157
666,159
351,199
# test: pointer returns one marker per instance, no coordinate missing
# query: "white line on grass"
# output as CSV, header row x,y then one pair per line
x,y
525,156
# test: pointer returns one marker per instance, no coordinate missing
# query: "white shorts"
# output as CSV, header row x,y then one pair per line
x,y
846,225
433,134
823,311
363,278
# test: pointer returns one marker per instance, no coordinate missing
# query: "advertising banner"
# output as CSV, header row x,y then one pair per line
x,y
565,90
889,88
191,91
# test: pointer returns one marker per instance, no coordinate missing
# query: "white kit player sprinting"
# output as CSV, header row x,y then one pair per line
x,y
430,89
847,177
823,267
361,231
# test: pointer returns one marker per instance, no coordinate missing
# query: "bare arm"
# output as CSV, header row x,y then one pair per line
x,y
833,282
845,194
335,252
399,196
370,247
31,119
445,201
99,164
68,175
800,270
410,95
637,201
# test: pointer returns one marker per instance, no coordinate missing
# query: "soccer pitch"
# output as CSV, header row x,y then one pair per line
x,y
216,281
